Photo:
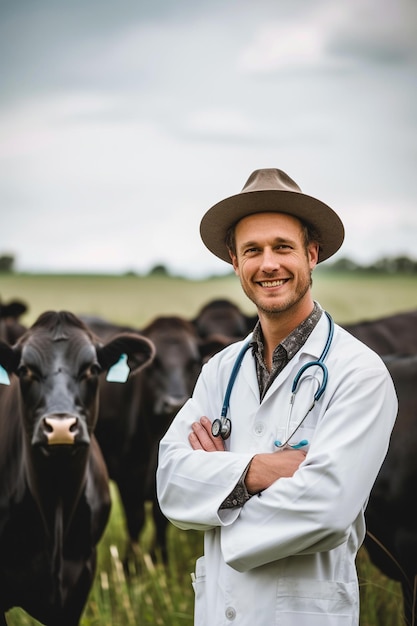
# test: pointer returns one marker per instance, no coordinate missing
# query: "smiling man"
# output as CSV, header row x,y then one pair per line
x,y
281,495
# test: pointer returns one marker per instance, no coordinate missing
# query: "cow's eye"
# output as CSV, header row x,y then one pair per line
x,y
22,371
28,373
92,369
95,369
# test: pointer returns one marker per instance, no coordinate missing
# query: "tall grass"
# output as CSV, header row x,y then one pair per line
x,y
155,594
163,595
150,594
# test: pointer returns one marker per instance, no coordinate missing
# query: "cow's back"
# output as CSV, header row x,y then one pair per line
x,y
393,334
391,516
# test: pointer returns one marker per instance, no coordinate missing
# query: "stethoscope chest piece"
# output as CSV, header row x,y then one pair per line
x,y
221,428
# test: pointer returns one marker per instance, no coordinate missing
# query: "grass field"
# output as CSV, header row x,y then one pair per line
x,y
136,300
159,595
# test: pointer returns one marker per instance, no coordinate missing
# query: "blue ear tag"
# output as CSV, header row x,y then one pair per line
x,y
4,378
119,372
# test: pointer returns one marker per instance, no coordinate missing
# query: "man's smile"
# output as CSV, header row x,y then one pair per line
x,y
272,283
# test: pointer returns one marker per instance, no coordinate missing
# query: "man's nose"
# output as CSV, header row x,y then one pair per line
x,y
270,261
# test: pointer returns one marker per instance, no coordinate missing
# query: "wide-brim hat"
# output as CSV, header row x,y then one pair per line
x,y
271,190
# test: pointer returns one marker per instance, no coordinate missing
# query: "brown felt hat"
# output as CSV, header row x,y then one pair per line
x,y
271,190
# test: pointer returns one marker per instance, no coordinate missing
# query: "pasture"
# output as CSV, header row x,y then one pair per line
x,y
135,300
158,594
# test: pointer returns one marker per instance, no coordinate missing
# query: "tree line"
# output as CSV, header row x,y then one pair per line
x,y
386,265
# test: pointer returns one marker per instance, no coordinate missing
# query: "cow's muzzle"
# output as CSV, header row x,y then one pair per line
x,y
169,405
61,430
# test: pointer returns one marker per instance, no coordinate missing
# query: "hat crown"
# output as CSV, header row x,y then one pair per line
x,y
271,191
270,179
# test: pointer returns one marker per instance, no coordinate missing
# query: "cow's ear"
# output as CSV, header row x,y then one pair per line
x,y
140,351
9,359
14,309
214,343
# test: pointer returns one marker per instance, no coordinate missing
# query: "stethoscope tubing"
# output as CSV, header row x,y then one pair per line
x,y
223,426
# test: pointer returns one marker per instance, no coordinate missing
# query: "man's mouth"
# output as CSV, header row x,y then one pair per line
x,y
273,283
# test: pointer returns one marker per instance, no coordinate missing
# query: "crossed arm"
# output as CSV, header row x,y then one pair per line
x,y
264,469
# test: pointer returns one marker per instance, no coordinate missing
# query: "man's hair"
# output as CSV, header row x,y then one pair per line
x,y
310,235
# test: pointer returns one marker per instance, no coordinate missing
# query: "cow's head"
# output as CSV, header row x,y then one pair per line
x,y
58,362
179,355
10,327
223,318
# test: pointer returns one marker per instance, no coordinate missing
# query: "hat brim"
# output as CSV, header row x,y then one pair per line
x,y
216,222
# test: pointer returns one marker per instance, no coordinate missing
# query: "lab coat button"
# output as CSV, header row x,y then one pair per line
x,y
259,428
230,613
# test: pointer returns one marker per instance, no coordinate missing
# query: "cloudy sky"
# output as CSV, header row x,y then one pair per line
x,y
122,122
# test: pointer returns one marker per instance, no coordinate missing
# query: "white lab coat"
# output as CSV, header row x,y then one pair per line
x,y
287,557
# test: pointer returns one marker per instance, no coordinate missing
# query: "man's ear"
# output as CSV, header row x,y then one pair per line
x,y
313,254
233,258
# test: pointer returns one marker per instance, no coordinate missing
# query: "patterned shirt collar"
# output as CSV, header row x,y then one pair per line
x,y
284,351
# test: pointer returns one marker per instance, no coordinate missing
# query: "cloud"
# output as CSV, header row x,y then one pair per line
x,y
120,125
226,124
377,32
334,35
283,45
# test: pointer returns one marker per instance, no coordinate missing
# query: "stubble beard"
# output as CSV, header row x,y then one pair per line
x,y
275,309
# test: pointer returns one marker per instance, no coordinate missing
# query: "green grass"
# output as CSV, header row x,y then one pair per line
x,y
164,595
155,595
136,300
159,595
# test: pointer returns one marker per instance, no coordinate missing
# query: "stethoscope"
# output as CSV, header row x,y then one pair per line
x,y
222,427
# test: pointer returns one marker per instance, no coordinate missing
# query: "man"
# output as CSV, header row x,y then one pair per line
x,y
280,489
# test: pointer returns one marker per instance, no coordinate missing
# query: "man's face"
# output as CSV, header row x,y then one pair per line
x,y
272,261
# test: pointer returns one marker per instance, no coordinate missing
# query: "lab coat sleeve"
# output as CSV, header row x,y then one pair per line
x,y
316,509
192,484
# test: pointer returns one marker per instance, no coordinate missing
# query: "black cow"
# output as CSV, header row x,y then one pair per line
x,y
134,416
54,492
10,326
391,514
222,317
393,334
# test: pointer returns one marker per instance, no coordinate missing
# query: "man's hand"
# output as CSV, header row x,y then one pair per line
x,y
201,438
266,468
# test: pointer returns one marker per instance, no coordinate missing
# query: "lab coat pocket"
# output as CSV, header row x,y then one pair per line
x,y
199,586
316,603
302,421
